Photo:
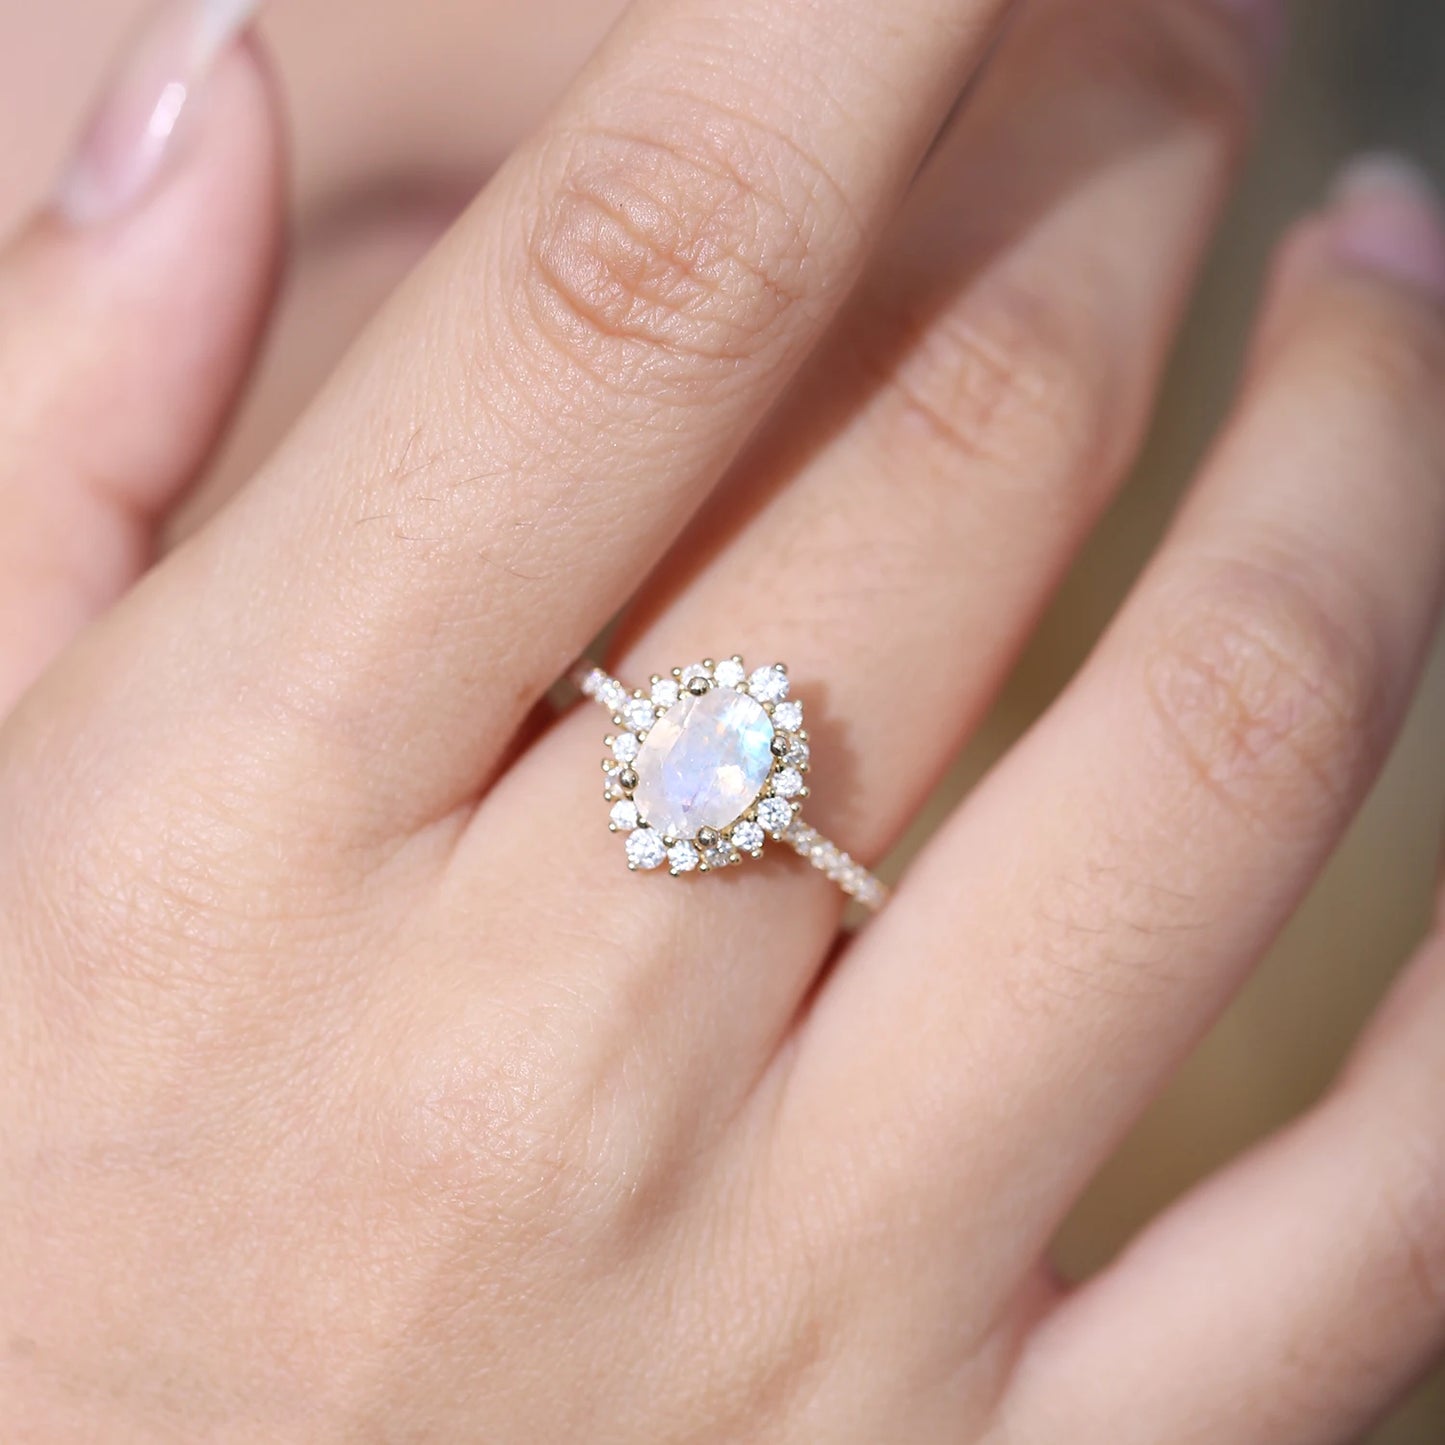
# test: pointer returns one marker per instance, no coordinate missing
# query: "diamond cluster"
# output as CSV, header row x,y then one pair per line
x,y
726,767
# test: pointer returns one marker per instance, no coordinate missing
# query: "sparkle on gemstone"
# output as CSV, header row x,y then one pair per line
x,y
625,746
639,713
611,694
788,716
682,858
788,783
624,815
692,671
729,673
774,814
645,849
769,684
798,753
748,836
664,692
704,763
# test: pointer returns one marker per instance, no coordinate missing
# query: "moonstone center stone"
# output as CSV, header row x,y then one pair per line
x,y
704,763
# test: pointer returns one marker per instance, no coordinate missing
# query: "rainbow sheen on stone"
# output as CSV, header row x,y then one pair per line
x,y
704,763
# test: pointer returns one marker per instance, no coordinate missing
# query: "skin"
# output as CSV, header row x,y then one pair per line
x,y
349,1087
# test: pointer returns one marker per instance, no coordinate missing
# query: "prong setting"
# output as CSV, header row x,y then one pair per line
x,y
706,708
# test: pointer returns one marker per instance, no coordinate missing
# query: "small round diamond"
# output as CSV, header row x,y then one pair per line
x,y
798,753
748,836
693,671
611,694
664,692
640,714
645,849
625,747
787,782
719,855
774,814
788,716
624,815
769,684
729,673
682,858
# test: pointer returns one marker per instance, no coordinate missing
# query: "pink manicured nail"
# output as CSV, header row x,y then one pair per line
x,y
133,130
1388,218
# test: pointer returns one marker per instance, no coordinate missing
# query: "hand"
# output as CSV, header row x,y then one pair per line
x,y
353,1091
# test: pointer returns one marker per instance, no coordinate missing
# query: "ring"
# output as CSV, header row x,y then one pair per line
x,y
709,763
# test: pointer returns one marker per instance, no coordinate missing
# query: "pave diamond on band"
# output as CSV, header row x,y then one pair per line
x,y
708,763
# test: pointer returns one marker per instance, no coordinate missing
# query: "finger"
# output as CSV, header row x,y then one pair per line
x,y
898,530
1071,932
128,314
1302,1290
894,532
536,414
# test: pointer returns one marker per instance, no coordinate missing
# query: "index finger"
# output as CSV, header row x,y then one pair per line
x,y
529,423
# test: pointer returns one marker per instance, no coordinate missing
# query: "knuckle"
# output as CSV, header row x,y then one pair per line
x,y
171,882
1267,696
689,234
1411,1199
505,1125
1010,383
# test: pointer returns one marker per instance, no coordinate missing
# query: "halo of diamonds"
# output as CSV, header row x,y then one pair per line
x,y
774,814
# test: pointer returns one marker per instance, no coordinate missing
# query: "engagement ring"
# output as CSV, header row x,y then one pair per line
x,y
706,765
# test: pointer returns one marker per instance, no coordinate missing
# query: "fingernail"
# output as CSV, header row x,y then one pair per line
x,y
1267,22
133,131
1388,218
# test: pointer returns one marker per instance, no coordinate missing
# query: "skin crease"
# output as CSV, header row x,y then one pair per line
x,y
340,1102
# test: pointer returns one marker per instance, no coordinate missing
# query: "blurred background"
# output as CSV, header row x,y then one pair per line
x,y
400,110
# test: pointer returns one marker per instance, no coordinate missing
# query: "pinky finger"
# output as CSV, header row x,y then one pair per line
x,y
128,317
1294,1297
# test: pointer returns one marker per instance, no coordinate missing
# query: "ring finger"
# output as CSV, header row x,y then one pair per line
x,y
895,531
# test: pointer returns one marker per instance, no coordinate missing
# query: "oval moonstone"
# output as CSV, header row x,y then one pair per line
x,y
704,763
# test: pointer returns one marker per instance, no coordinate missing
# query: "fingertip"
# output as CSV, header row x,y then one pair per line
x,y
1387,219
1382,226
178,283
